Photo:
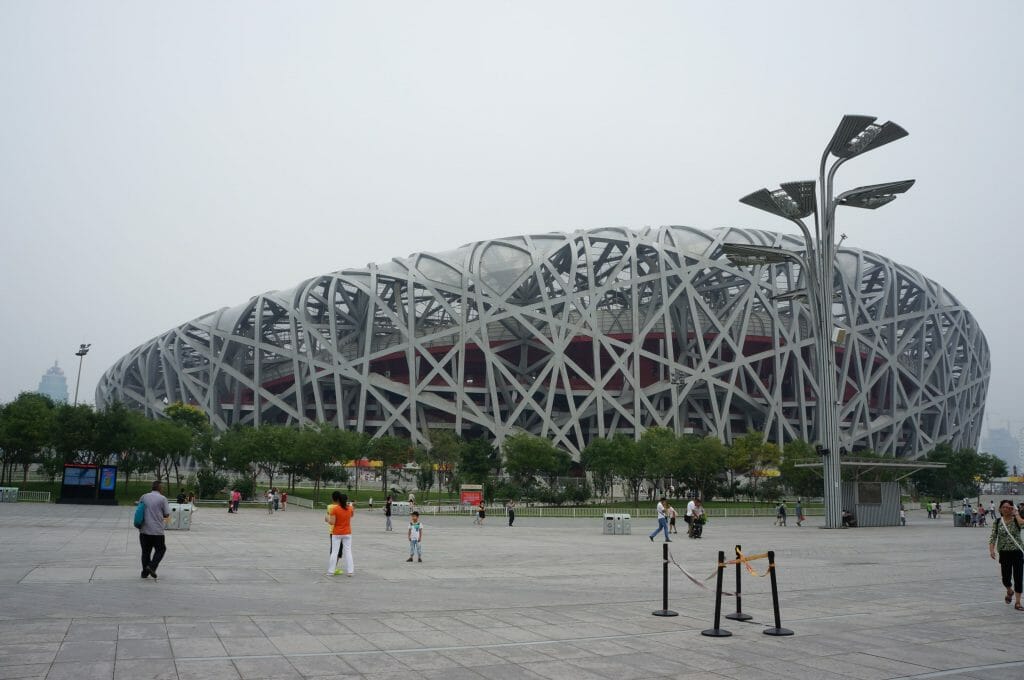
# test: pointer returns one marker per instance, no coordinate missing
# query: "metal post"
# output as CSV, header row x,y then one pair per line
x,y
738,615
718,631
664,611
778,629
83,349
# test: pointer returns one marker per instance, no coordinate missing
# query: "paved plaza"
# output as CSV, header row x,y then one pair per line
x,y
246,596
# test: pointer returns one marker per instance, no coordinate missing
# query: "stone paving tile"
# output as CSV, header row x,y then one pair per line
x,y
473,657
28,653
377,663
96,670
295,644
611,667
142,631
84,630
27,672
197,647
248,646
199,629
317,666
143,649
562,670
451,674
346,643
424,660
29,632
206,669
275,667
58,575
91,650
245,629
144,669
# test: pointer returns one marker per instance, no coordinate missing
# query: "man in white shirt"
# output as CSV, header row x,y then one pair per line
x,y
662,522
151,533
690,507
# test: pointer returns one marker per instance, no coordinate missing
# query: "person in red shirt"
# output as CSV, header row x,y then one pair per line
x,y
340,518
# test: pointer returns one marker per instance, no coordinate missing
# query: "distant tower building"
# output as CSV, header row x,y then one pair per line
x,y
1020,450
54,385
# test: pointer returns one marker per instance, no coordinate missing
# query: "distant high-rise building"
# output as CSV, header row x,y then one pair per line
x,y
54,385
1000,442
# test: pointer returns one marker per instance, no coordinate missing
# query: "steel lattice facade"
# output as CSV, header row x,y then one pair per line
x,y
576,336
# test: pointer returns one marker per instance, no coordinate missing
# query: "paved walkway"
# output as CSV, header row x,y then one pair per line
x,y
245,596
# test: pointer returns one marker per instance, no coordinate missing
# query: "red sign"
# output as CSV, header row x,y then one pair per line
x,y
471,497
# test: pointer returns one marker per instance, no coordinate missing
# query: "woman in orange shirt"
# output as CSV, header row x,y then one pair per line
x,y
340,518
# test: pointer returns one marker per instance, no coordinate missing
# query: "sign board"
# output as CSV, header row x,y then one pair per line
x,y
471,494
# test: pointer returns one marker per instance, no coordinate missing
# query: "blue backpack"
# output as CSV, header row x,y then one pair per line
x,y
140,515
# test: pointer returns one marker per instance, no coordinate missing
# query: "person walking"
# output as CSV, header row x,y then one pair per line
x,y
672,514
799,513
780,514
662,522
151,533
691,506
510,510
387,514
1005,539
415,535
481,513
340,519
284,501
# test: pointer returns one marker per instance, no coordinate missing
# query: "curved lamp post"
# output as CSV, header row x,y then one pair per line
x,y
82,351
796,201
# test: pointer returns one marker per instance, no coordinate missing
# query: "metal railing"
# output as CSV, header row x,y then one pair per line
x,y
33,496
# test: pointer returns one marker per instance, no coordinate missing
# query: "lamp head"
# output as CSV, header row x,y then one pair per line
x,y
874,195
794,201
83,349
859,134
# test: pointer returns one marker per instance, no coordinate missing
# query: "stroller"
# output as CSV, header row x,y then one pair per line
x,y
697,527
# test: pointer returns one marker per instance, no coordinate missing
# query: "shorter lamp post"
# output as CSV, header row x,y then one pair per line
x,y
82,351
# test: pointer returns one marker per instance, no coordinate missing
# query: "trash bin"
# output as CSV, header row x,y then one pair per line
x,y
609,523
618,524
175,521
185,517
627,524
959,520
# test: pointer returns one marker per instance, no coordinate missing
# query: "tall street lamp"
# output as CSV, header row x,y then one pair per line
x,y
82,351
796,201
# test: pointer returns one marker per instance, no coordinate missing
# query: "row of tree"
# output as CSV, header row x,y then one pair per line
x,y
34,430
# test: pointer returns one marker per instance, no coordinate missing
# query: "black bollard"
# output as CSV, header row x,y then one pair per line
x,y
664,611
717,631
778,629
738,615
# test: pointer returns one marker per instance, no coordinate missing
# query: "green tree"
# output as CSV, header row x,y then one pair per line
x,y
702,463
527,456
803,482
751,455
323,449
201,434
445,451
389,450
74,434
164,443
965,470
659,447
26,429
475,462
599,459
632,464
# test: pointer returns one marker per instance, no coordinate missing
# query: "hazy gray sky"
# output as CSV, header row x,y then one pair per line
x,y
162,160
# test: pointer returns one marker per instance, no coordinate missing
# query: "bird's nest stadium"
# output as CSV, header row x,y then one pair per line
x,y
573,336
